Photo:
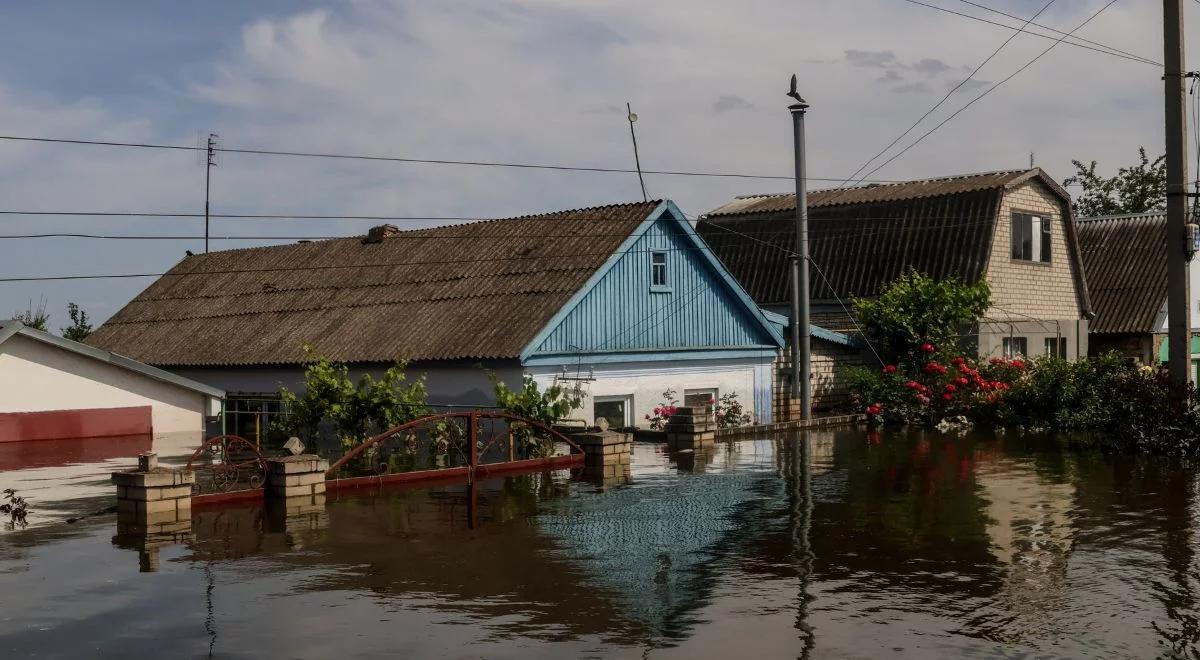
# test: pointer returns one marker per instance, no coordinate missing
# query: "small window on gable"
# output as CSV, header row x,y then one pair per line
x,y
1031,237
658,271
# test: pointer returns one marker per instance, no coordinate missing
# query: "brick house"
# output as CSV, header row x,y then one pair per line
x,y
1125,259
1014,229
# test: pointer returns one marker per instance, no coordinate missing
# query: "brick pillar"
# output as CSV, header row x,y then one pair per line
x,y
691,428
606,457
300,476
154,496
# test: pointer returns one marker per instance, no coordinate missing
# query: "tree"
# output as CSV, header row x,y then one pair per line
x,y
1138,188
80,326
916,311
34,317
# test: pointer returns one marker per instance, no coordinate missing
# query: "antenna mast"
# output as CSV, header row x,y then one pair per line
x,y
632,117
208,165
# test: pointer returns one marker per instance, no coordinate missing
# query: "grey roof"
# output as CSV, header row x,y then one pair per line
x,y
1125,260
863,238
12,328
480,290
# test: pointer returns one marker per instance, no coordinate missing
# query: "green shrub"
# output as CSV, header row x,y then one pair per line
x,y
547,407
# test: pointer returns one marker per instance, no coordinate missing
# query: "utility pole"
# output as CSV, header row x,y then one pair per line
x,y
208,165
801,330
1178,248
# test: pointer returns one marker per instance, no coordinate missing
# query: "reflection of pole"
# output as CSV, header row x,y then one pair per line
x,y
801,508
472,504
210,619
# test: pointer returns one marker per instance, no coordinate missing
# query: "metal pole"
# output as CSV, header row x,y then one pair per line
x,y
1178,313
208,164
801,330
629,114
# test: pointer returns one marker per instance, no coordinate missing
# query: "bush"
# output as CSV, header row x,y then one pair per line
x,y
547,407
357,410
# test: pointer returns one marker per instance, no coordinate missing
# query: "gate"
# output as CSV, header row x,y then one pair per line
x,y
227,466
454,446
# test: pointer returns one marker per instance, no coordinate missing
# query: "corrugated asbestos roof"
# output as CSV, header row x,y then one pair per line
x,y
1125,259
471,291
860,239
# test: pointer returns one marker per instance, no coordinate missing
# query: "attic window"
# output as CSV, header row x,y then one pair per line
x,y
658,271
1031,237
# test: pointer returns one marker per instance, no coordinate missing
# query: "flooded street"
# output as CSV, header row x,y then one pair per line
x,y
849,545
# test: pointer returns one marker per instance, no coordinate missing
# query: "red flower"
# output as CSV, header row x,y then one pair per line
x,y
874,409
947,396
927,347
889,369
951,388
962,381
1017,364
913,385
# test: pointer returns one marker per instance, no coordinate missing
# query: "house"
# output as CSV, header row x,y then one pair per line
x,y
625,301
1125,259
1013,228
53,388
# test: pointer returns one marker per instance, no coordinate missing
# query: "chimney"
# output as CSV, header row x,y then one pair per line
x,y
377,234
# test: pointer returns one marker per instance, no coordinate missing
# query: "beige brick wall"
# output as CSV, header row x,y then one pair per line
x,y
829,387
1042,291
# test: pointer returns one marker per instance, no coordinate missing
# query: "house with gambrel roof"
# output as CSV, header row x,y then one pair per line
x,y
1013,229
626,299
1125,258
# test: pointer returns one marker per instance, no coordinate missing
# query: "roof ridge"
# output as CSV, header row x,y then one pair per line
x,y
933,179
1122,216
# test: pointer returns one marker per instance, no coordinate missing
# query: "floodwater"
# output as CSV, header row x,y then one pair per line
x,y
845,545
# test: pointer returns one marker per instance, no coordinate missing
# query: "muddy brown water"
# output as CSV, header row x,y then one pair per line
x,y
847,545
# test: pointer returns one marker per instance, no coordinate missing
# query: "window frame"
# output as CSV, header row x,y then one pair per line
x,y
1021,233
1055,347
1009,344
627,399
655,268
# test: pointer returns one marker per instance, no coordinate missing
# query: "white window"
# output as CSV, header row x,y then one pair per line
x,y
617,410
1015,347
1031,237
1056,347
658,271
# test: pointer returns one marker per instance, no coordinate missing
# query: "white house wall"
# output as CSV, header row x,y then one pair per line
x,y
35,376
646,382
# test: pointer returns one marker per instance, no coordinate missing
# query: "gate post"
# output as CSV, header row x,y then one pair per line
x,y
472,433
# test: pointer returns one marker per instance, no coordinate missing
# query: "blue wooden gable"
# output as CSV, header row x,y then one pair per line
x,y
700,312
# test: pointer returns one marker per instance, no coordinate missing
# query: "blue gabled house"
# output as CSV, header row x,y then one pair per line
x,y
625,300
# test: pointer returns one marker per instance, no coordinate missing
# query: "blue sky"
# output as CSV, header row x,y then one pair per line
x,y
538,81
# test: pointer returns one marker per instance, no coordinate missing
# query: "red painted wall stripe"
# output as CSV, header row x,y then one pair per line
x,y
80,423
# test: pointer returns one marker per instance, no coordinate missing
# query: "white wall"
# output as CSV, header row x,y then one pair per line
x,y
646,381
35,376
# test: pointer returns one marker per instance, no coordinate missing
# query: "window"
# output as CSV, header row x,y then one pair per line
x,y
705,397
616,410
658,272
1031,237
1057,347
1015,347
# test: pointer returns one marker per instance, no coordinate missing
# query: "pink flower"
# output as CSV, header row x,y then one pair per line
x,y
927,347
947,396
874,409
913,385
889,369
951,388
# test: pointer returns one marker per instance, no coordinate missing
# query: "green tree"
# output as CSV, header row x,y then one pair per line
x,y
80,326
1139,188
547,407
34,317
916,309
356,409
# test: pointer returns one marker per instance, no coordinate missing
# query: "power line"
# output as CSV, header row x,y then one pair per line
x,y
401,159
989,90
1135,58
1114,49
947,96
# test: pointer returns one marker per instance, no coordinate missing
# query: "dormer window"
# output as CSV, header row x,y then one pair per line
x,y
658,271
1031,237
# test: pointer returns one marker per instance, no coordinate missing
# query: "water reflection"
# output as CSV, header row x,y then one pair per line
x,y
825,544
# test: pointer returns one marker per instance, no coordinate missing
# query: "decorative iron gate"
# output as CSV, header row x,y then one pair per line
x,y
456,445
227,464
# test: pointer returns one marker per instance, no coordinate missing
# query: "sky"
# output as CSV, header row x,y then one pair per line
x,y
539,81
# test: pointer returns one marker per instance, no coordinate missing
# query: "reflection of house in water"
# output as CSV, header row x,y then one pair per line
x,y
1032,530
653,547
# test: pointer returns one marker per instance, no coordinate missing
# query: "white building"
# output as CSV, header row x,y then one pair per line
x,y
53,388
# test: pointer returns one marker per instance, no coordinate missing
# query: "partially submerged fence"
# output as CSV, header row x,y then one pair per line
x,y
454,446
